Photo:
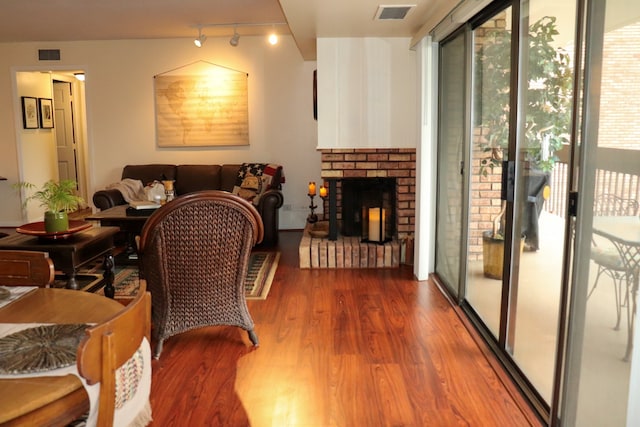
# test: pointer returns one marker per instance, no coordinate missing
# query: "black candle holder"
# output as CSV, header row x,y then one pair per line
x,y
312,216
324,206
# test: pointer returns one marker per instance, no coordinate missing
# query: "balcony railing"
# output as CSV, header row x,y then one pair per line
x,y
617,172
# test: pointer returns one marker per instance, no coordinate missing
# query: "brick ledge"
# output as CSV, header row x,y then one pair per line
x,y
346,252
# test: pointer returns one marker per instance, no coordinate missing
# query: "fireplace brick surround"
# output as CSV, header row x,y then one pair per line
x,y
398,163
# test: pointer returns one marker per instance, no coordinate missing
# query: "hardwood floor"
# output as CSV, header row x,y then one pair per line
x,y
337,348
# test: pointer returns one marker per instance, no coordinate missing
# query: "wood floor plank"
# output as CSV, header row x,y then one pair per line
x,y
338,347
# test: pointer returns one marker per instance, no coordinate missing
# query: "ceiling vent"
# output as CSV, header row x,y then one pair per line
x,y
49,54
393,12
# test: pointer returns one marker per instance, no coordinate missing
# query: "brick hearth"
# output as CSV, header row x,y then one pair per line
x,y
346,252
349,252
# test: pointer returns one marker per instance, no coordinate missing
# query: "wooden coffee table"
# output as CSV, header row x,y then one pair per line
x,y
72,253
130,224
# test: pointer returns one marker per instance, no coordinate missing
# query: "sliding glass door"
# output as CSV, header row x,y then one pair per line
x,y
520,80
545,111
538,229
522,115
491,71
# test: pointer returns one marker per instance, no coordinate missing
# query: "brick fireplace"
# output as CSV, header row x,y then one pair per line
x,y
350,251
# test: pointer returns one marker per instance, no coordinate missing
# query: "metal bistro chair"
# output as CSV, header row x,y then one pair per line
x,y
194,254
606,256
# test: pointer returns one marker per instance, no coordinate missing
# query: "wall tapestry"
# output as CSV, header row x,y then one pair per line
x,y
207,108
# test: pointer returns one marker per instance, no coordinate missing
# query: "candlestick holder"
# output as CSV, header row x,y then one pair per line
x,y
324,205
312,216
169,190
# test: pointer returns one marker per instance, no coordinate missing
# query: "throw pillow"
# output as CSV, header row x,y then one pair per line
x,y
263,172
250,188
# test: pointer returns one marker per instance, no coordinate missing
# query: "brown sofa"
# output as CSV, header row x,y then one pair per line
x,y
191,178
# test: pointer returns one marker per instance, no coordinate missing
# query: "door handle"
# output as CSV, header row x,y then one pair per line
x,y
507,189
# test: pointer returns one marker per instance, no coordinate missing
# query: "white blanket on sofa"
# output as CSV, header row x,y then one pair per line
x,y
132,190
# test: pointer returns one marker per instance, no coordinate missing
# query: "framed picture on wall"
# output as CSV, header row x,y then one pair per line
x,y
46,113
29,112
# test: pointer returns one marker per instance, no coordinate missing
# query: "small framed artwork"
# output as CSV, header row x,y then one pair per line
x,y
29,112
46,113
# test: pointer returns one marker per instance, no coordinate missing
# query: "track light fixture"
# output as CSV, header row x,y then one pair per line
x,y
273,38
201,38
236,37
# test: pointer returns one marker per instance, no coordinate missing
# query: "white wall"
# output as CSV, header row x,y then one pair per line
x,y
367,93
120,110
39,145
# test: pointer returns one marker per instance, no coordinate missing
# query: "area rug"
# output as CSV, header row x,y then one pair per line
x,y
262,269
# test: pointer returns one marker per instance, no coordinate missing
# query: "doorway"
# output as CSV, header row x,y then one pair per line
x,y
68,155
65,131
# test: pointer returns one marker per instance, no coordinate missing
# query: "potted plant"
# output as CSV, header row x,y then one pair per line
x,y
58,198
546,116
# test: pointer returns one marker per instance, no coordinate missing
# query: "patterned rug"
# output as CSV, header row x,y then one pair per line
x,y
262,268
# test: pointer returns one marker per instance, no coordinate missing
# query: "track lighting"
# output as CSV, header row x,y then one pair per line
x,y
236,37
273,37
201,38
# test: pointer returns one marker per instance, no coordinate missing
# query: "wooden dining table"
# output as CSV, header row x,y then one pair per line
x,y
53,400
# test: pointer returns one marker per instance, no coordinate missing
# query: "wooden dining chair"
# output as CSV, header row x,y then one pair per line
x,y
26,268
109,345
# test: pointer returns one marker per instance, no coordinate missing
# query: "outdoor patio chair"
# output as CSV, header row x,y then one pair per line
x,y
194,254
606,256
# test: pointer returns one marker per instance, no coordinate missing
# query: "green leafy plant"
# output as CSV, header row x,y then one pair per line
x,y
54,196
547,98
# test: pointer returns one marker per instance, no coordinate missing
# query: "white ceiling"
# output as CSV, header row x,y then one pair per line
x,y
68,20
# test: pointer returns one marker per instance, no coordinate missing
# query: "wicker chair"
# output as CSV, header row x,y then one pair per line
x,y
194,255
606,256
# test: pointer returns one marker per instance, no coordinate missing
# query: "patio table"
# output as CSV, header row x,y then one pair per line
x,y
624,234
